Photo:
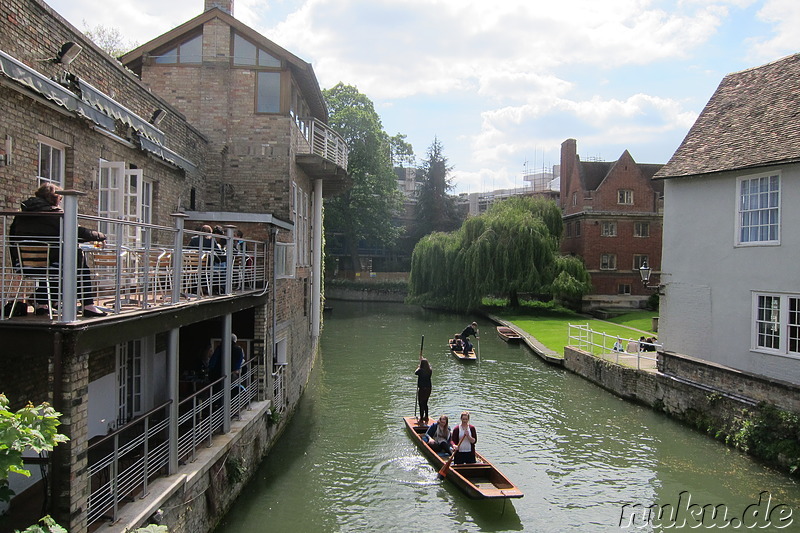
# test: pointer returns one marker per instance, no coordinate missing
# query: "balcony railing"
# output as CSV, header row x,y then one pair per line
x,y
323,141
141,266
123,463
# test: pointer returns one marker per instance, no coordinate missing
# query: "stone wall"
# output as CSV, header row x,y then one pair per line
x,y
364,295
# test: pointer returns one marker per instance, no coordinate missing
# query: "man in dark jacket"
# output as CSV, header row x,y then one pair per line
x,y
45,225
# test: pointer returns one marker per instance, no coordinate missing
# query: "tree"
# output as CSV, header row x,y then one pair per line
x,y
436,209
365,211
512,248
34,428
109,39
402,151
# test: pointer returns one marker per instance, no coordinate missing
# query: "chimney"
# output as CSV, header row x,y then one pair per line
x,y
569,152
224,5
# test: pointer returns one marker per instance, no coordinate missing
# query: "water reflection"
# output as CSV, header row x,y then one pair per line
x,y
578,453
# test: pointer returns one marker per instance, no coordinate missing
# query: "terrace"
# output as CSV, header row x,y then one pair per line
x,y
141,267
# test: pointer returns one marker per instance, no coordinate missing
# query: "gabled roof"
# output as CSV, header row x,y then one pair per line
x,y
302,71
593,173
751,121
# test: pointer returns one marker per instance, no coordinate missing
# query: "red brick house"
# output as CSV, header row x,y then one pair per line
x,y
612,220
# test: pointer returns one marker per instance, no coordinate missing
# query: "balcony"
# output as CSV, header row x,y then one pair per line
x,y
322,153
140,268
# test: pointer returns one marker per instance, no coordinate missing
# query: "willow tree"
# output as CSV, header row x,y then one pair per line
x,y
512,248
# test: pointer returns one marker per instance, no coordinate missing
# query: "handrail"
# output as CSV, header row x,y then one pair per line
x,y
129,424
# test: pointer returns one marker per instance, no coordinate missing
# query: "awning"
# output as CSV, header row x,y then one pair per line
x,y
113,108
51,90
166,154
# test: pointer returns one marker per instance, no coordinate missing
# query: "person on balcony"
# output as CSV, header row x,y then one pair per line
x,y
48,228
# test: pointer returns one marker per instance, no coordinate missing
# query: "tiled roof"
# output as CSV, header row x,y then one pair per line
x,y
751,121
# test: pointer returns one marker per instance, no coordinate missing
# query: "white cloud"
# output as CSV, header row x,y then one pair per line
x,y
784,16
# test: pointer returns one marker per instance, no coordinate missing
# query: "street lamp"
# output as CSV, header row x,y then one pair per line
x,y
644,272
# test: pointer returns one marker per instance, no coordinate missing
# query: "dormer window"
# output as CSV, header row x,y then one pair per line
x,y
188,52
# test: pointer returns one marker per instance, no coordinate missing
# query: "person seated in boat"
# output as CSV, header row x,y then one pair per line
x,y
438,435
465,448
457,345
471,329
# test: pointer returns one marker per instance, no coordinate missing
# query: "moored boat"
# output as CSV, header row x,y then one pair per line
x,y
455,349
508,334
481,480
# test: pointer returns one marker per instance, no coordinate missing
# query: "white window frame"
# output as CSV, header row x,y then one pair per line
x,y
745,209
131,382
782,326
641,229
284,260
625,196
639,259
608,229
608,261
124,194
57,168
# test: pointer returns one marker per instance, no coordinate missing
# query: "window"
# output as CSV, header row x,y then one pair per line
x,y
568,230
575,198
190,51
268,92
125,194
51,163
300,210
284,260
608,262
609,229
247,54
129,381
577,228
639,260
759,210
777,324
624,288
641,229
625,197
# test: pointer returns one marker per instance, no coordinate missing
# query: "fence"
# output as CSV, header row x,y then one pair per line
x,y
611,347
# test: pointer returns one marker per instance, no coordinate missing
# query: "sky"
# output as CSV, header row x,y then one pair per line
x,y
502,83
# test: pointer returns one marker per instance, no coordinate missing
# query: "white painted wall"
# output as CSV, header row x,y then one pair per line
x,y
707,309
102,405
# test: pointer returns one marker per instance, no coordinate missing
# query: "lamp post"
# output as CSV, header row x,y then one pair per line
x,y
644,272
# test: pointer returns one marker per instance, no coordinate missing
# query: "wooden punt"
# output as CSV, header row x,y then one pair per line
x,y
481,480
508,334
470,356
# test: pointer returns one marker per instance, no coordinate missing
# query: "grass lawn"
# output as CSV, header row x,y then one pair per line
x,y
551,327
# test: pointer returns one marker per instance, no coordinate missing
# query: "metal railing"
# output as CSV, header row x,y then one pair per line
x,y
145,267
621,350
323,141
124,462
279,387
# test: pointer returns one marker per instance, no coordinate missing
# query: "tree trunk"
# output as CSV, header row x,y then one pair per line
x,y
513,298
355,259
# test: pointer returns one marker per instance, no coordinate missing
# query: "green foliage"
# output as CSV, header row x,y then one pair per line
x,y
436,209
772,434
365,211
34,428
110,39
510,249
235,468
45,525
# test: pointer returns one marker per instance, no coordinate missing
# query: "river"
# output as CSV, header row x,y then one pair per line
x,y
583,457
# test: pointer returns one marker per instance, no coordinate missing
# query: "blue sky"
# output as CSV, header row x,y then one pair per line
x,y
502,83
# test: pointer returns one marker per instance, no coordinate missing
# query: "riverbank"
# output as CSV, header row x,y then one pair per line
x,y
746,412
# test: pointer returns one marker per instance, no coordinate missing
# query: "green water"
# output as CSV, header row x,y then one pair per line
x,y
578,453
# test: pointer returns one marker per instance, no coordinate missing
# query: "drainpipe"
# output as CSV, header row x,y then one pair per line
x,y
227,321
271,363
69,256
177,256
316,267
173,375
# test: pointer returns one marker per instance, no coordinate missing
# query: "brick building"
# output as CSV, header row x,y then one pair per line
x,y
211,123
612,220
